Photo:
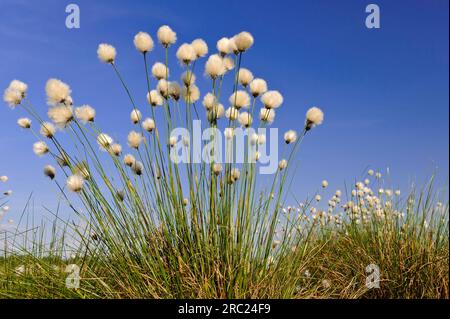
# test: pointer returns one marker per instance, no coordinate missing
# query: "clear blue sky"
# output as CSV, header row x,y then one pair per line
x,y
384,92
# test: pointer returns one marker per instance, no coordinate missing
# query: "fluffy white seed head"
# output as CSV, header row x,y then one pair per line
x,y
172,141
106,53
243,41
239,99
85,113
190,94
148,124
232,113
137,167
61,115
160,71
163,88
370,172
209,101
12,97
166,36
135,116
50,171
217,168
245,119
272,99
134,139
282,164
216,112
258,87
245,77
154,98
47,129
267,115
40,148
174,90
314,117
104,140
143,42
4,178
186,53
200,47
324,184
318,198
223,46
24,122
75,183
228,63
290,136
115,149
235,174
214,66
18,86
129,160
57,91
188,78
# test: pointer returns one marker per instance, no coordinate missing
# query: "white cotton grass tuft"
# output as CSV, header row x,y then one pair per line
x,y
47,129
148,124
50,171
217,168
40,148
160,71
200,47
104,141
232,113
135,116
134,139
215,113
228,63
12,97
75,183
245,119
282,164
137,168
290,136
186,53
163,88
243,41
239,99
106,53
18,86
324,184
314,117
61,115
209,101
166,36
258,87
115,149
172,141
235,174
188,78
143,42
267,115
154,98
245,76
57,91
223,46
129,160
24,122
190,94
4,178
174,90
272,99
214,66
85,113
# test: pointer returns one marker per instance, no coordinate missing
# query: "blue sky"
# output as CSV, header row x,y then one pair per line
x,y
384,92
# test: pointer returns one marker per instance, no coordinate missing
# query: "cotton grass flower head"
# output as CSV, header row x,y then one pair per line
x,y
272,99
81,169
75,183
12,97
137,168
215,113
290,136
235,174
143,42
239,99
186,53
24,122
282,164
104,141
267,115
188,78
217,169
163,88
209,101
258,87
318,198
135,116
148,124
134,139
324,184
172,141
174,90
47,129
228,64
160,71
214,66
245,119
61,115
314,117
223,46
154,98
232,113
166,36
190,94
49,171
115,149
4,178
245,77
85,113
106,53
57,91
40,148
243,41
200,47
18,86
129,160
